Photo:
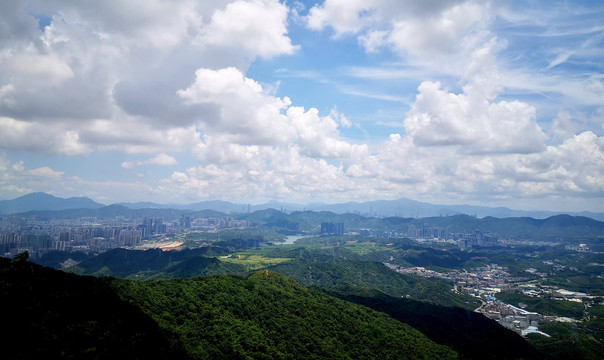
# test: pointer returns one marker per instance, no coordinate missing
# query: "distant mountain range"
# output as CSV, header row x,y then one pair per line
x,y
381,208
40,201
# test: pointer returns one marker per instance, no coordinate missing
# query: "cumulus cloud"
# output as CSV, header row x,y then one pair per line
x,y
257,26
251,116
563,126
435,34
343,16
471,121
255,119
171,77
159,159
59,140
46,172
469,143
11,184
109,70
571,169
17,180
289,175
459,28
163,160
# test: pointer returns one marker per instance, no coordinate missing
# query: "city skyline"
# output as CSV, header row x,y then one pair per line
x,y
447,102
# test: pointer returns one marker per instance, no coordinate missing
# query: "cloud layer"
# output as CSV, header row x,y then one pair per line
x,y
165,84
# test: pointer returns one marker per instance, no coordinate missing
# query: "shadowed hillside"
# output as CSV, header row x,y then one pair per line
x,y
265,316
49,314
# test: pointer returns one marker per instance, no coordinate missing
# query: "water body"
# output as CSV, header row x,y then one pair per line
x,y
289,240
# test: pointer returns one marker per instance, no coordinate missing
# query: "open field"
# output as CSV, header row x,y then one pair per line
x,y
253,261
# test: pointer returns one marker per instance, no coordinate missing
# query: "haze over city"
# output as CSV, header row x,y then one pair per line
x,y
449,102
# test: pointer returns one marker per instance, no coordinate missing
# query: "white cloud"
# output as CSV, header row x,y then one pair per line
x,y
31,66
287,175
562,57
101,73
251,116
344,16
163,160
11,182
572,169
564,127
458,28
170,77
20,135
435,34
472,122
159,159
373,40
247,114
258,26
220,150
131,136
46,172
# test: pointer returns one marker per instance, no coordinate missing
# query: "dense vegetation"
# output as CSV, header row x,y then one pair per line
x,y
592,283
234,239
569,341
263,316
542,305
336,269
154,263
469,333
340,274
582,340
48,314
269,316
259,316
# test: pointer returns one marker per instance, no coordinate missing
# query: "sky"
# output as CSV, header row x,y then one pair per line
x,y
496,103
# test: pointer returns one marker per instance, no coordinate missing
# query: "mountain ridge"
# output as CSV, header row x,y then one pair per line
x,y
40,201
402,207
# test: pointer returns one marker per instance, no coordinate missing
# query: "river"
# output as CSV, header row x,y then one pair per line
x,y
289,240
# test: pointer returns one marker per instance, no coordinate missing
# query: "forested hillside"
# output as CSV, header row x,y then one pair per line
x,y
52,314
154,264
268,316
471,334
348,276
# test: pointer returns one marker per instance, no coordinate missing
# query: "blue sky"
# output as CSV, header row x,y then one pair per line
x,y
477,102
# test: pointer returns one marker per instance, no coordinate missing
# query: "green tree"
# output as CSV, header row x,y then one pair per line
x,y
22,257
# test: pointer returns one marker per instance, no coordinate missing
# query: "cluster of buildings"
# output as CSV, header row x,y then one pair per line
x,y
579,248
479,282
427,232
514,318
463,240
213,223
91,234
485,282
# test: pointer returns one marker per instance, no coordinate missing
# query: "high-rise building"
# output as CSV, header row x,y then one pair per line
x,y
331,228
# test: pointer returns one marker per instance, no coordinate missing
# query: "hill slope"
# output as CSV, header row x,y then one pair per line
x,y
155,264
49,314
356,276
471,334
269,316
264,316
